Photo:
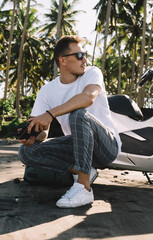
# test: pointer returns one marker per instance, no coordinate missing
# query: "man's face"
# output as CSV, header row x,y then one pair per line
x,y
73,64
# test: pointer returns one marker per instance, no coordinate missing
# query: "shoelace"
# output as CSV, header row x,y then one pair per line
x,y
71,192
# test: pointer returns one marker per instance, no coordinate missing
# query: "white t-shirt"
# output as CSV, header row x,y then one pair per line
x,y
56,93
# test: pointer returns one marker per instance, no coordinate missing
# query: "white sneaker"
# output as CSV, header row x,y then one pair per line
x,y
93,175
76,196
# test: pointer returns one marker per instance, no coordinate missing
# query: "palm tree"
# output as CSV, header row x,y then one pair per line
x,y
106,33
9,49
125,26
4,36
132,33
142,90
110,15
94,48
116,9
59,21
20,61
67,21
37,63
15,3
149,43
59,18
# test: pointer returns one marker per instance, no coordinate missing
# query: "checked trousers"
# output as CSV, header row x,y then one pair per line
x,y
90,144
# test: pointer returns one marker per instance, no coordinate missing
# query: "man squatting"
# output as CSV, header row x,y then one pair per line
x,y
77,99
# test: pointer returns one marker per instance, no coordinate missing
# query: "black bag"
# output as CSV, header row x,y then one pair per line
x,y
44,177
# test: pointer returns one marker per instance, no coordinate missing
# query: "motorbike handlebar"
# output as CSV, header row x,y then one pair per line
x,y
147,76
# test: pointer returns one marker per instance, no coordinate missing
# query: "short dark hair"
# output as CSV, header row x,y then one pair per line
x,y
62,46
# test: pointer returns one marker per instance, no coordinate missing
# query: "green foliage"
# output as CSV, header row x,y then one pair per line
x,y
8,121
7,107
27,104
9,128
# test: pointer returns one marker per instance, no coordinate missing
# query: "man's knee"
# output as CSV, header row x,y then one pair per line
x,y
77,115
22,156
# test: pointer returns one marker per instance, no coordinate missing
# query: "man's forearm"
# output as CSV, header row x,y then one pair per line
x,y
82,100
74,103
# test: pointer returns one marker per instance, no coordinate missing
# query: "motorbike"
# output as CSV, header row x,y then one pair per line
x,y
135,127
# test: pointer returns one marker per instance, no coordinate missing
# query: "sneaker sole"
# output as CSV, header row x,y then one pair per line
x,y
77,206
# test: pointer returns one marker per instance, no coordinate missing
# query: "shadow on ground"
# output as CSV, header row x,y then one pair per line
x,y
118,210
131,210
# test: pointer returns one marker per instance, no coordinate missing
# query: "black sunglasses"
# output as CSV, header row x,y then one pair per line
x,y
79,55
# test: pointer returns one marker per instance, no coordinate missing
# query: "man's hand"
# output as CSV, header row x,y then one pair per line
x,y
28,142
41,122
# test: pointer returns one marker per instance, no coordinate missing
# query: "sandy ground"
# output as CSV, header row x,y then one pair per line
x,y
122,210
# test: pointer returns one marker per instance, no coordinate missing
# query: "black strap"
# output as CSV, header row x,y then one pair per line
x,y
50,114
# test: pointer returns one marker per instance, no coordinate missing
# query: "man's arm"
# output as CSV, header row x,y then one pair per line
x,y
82,100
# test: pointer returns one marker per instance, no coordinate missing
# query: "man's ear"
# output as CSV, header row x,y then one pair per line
x,y
62,61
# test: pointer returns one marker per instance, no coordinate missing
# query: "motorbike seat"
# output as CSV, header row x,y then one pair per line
x,y
124,105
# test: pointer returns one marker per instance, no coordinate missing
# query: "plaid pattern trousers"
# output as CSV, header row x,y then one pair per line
x,y
90,144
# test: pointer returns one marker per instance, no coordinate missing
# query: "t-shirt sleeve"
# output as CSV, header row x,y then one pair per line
x,y
41,104
94,76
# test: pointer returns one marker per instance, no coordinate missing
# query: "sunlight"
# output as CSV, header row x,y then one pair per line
x,y
99,206
46,230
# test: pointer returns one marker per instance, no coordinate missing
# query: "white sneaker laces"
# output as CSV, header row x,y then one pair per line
x,y
71,192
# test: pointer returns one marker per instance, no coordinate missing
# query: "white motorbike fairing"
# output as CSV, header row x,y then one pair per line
x,y
136,135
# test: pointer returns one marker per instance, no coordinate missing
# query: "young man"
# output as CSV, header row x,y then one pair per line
x,y
77,99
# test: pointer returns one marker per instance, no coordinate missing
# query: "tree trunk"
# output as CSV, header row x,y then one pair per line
x,y
9,50
20,61
119,59
106,33
141,93
59,19
149,44
22,79
133,66
94,49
